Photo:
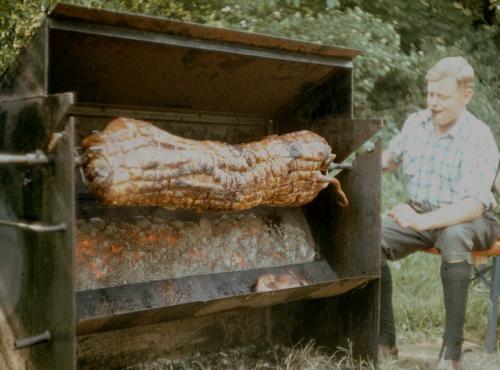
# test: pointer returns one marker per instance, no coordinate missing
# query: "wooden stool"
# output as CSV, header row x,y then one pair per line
x,y
480,258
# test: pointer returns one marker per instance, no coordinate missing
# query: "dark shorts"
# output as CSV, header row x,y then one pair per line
x,y
454,242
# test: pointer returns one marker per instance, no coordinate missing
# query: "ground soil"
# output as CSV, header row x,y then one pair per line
x,y
423,355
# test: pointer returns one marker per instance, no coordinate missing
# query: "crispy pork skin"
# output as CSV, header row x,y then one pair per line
x,y
134,163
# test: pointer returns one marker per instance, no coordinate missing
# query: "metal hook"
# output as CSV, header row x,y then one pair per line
x,y
30,341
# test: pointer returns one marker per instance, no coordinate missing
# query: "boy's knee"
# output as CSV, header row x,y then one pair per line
x,y
456,235
455,244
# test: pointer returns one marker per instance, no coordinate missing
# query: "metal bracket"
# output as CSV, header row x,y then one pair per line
x,y
30,341
33,226
340,166
30,159
369,146
79,161
55,139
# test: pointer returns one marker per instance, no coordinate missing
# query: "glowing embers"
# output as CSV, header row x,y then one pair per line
x,y
147,248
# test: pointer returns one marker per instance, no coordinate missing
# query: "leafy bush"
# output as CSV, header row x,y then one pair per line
x,y
18,23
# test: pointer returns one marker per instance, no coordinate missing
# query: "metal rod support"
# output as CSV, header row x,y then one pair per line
x,y
339,166
30,341
491,338
33,226
35,158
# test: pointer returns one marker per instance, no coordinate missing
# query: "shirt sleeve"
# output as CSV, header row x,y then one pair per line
x,y
480,164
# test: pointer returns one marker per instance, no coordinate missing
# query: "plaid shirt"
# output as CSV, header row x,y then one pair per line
x,y
444,169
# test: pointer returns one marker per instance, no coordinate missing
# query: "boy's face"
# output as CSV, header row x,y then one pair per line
x,y
446,101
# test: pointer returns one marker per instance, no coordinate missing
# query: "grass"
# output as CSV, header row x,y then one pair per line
x,y
305,356
419,310
418,299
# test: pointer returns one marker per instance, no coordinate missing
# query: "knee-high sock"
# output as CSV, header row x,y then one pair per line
x,y
387,329
455,278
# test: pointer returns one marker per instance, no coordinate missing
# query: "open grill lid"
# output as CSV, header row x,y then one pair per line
x,y
194,30
135,60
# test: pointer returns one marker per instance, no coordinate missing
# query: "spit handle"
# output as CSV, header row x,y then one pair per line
x,y
30,159
30,341
33,226
36,158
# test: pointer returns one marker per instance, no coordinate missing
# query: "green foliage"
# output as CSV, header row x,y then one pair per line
x,y
394,190
161,8
18,22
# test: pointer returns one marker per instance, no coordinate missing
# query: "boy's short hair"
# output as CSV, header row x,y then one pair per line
x,y
453,67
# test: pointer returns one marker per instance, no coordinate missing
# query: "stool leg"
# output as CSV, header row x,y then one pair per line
x,y
493,306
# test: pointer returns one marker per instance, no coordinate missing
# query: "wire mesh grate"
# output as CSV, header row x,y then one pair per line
x,y
116,250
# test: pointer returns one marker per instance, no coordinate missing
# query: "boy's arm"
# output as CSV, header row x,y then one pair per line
x,y
464,210
388,163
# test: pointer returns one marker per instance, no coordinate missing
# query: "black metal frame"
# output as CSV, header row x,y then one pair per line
x,y
38,254
315,95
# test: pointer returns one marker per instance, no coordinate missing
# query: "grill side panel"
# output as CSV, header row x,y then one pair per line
x,y
36,269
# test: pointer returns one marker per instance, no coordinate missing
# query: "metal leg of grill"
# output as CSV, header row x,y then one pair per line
x,y
493,306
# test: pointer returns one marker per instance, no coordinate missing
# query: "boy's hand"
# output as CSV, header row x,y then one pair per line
x,y
406,216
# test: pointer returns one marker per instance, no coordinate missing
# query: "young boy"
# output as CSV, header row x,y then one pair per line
x,y
449,159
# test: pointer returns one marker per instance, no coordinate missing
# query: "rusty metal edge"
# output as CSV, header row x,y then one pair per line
x,y
146,303
181,115
193,30
71,25
149,316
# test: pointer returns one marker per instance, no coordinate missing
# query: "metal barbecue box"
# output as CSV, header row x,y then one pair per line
x,y
84,285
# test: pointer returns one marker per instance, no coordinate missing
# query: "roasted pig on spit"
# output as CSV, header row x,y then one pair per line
x,y
134,163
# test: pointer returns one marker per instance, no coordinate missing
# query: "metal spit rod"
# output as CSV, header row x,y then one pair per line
x,y
35,158
335,168
339,166
33,226
31,159
30,341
